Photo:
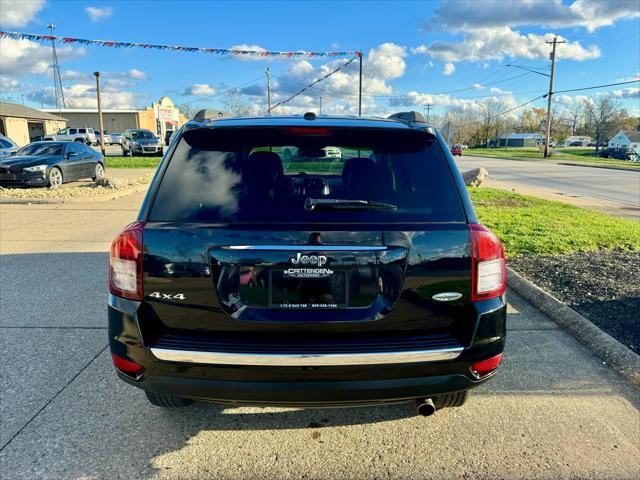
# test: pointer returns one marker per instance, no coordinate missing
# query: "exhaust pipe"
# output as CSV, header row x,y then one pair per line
x,y
425,407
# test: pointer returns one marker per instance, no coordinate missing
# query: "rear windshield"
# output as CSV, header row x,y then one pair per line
x,y
286,175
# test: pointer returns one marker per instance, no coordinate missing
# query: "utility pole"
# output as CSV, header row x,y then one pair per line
x,y
320,106
553,65
97,74
268,91
360,88
57,81
428,107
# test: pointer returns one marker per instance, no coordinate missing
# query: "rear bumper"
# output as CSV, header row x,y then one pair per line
x,y
301,379
306,393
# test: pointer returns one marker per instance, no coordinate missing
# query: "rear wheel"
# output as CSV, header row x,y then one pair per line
x,y
98,172
455,399
55,177
167,401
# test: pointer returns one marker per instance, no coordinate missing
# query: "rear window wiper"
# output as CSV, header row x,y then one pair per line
x,y
311,204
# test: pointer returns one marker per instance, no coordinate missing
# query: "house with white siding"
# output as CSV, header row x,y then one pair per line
x,y
625,140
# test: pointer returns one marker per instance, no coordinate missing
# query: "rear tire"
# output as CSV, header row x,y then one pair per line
x,y
165,400
98,172
455,399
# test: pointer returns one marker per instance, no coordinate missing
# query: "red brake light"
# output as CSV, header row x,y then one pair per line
x,y
125,263
309,131
488,269
485,367
127,366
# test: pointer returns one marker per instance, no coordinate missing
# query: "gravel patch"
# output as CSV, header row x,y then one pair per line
x,y
602,286
104,189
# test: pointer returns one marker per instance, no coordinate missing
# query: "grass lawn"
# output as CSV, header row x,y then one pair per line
x,y
133,162
573,155
530,225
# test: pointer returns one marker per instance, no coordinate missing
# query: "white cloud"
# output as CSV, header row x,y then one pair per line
x,y
23,57
98,13
478,86
9,84
631,92
449,68
414,98
15,13
83,95
468,15
499,91
199,89
137,74
496,43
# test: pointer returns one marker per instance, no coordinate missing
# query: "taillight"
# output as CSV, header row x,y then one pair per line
x,y
488,270
485,367
127,366
125,263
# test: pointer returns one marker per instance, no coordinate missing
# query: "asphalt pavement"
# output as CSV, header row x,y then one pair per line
x,y
553,410
612,191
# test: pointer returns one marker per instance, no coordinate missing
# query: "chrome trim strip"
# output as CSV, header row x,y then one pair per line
x,y
304,360
310,248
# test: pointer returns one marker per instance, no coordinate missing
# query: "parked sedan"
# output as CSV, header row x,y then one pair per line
x,y
7,147
50,164
456,150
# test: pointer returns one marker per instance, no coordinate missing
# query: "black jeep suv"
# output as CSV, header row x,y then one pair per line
x,y
254,279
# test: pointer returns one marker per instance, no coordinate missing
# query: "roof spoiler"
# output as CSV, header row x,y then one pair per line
x,y
413,120
408,117
207,114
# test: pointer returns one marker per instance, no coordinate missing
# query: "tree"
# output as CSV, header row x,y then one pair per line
x,y
603,112
490,118
531,119
236,104
574,113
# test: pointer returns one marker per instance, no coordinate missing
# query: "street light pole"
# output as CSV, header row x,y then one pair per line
x,y
268,91
360,87
320,113
547,140
97,74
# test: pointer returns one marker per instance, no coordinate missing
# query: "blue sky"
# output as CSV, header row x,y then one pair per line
x,y
449,53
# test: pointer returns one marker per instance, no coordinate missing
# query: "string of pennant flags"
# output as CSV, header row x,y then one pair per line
x,y
178,48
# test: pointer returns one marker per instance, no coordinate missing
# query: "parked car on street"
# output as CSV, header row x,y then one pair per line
x,y
625,156
51,163
7,147
561,144
456,150
141,142
84,135
116,139
245,280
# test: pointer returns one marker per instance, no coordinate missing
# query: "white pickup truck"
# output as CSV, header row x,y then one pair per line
x,y
85,135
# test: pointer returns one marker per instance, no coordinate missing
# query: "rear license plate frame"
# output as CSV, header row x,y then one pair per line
x,y
311,305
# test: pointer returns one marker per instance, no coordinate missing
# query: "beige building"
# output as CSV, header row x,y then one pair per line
x,y
24,125
161,117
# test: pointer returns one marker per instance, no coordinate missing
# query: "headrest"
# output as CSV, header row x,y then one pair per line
x,y
372,182
262,167
353,165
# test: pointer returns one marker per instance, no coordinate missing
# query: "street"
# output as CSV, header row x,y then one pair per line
x,y
553,410
613,191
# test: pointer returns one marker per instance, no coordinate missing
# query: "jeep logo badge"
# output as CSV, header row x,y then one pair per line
x,y
317,260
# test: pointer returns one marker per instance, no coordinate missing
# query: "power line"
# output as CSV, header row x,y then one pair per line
x,y
313,83
597,86
222,92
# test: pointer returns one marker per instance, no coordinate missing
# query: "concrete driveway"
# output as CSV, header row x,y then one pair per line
x,y
608,190
553,411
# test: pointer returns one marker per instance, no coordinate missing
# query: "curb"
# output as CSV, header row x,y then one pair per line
x,y
556,162
601,344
